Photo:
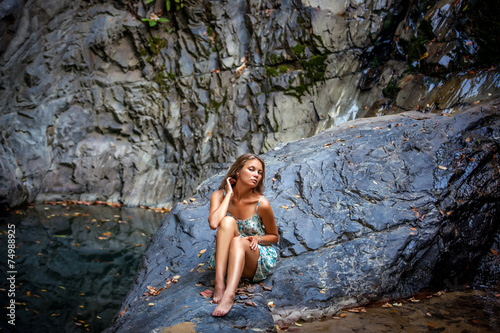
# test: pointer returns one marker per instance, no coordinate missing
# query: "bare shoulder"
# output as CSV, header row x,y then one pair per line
x,y
265,204
217,195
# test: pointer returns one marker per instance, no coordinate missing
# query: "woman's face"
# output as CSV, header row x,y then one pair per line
x,y
251,173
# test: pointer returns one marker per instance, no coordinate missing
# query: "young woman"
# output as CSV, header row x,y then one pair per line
x,y
245,227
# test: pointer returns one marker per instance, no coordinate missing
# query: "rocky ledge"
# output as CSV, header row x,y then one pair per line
x,y
373,209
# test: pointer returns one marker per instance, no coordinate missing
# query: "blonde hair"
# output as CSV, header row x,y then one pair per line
x,y
238,165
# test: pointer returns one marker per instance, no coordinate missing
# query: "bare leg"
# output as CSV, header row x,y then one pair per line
x,y
225,233
242,262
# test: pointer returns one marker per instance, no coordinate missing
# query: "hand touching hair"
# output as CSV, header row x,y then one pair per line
x,y
238,165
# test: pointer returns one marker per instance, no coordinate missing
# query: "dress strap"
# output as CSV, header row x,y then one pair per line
x,y
258,203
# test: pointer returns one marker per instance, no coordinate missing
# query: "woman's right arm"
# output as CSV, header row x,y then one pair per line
x,y
218,207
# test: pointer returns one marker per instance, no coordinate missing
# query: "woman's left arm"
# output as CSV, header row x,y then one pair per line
x,y
267,216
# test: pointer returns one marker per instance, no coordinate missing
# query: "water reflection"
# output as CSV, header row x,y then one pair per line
x,y
74,264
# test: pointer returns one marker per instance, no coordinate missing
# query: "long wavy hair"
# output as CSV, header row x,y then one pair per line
x,y
238,165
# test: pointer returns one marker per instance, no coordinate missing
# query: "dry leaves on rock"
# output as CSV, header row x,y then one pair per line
x,y
123,311
207,293
357,310
250,303
153,291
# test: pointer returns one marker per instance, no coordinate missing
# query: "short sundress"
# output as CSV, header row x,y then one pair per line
x,y
268,254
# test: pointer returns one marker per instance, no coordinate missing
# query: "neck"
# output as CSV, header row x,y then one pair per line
x,y
241,192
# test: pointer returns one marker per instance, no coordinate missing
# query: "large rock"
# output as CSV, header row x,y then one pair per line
x,y
96,105
373,209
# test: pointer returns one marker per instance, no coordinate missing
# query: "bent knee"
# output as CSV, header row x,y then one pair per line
x,y
239,243
228,222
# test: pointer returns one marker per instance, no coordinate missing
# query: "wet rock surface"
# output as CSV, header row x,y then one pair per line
x,y
372,209
97,105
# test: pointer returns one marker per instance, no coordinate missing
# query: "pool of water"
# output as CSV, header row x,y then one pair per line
x,y
71,266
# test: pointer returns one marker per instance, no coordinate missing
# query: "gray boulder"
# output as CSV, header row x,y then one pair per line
x,y
370,210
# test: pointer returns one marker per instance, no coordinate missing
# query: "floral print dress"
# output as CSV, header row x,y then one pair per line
x,y
267,253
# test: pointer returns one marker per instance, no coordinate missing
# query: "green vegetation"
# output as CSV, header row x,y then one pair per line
x,y
271,71
161,79
170,5
156,44
154,20
315,67
299,50
392,89
283,69
299,90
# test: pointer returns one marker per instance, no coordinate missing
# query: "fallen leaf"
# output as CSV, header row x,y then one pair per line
x,y
240,70
284,207
297,324
207,293
151,304
442,167
250,303
495,252
343,315
201,252
192,199
271,304
266,288
414,229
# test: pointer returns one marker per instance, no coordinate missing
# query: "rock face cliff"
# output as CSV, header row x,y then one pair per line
x,y
373,209
95,104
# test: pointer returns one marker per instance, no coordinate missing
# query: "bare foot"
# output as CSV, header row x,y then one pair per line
x,y
219,292
224,306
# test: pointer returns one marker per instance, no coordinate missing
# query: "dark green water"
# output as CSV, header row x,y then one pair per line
x,y
72,265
